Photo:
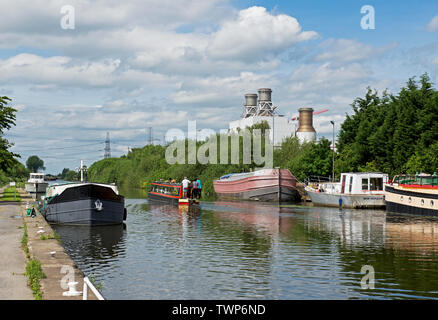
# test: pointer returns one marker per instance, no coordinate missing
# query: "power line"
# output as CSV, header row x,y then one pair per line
x,y
107,147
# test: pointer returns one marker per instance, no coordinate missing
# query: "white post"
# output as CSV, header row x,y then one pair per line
x,y
85,291
82,172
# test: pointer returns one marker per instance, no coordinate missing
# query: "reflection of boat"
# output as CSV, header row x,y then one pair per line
x,y
171,193
259,216
413,194
402,232
84,203
36,183
262,185
100,243
160,206
356,190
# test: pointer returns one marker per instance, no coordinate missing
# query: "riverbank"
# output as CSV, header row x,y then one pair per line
x,y
30,242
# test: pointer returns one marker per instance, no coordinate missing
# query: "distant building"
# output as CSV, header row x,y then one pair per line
x,y
260,108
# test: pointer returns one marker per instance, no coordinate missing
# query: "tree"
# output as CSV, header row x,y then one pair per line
x,y
34,163
7,120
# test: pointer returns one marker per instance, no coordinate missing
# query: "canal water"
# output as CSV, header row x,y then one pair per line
x,y
248,250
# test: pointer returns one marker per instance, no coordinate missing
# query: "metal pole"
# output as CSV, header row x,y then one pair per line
x,y
333,151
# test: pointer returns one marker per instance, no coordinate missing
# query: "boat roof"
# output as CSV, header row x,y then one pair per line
x,y
168,183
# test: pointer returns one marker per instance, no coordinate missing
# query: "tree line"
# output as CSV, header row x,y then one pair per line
x,y
390,133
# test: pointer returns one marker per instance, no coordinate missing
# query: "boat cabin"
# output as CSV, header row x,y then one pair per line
x,y
363,182
36,177
164,189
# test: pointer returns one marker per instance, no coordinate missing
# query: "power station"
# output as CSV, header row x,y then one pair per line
x,y
258,108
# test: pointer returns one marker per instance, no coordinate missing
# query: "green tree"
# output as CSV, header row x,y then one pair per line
x,y
7,120
34,163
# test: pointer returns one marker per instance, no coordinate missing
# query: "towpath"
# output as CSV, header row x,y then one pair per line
x,y
13,282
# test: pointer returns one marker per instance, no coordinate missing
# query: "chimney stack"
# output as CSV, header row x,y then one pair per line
x,y
306,132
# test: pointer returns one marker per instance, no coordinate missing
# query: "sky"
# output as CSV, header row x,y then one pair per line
x,y
126,66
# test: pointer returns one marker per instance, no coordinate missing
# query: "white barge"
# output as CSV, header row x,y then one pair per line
x,y
356,190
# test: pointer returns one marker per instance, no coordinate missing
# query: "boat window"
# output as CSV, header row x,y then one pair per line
x,y
364,184
376,184
343,184
350,187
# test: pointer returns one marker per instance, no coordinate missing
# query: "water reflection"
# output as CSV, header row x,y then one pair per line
x,y
248,250
98,243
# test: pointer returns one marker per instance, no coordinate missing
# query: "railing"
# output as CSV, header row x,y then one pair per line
x,y
316,179
89,284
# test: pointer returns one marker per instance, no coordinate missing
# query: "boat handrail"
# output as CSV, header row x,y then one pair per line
x,y
89,284
316,179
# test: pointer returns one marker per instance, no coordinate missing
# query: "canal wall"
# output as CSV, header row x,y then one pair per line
x,y
43,244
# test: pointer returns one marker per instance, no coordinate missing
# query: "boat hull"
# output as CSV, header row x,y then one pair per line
x,y
411,202
90,205
267,185
84,212
32,187
348,201
162,198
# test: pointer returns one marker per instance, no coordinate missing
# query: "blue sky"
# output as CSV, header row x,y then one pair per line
x,y
128,66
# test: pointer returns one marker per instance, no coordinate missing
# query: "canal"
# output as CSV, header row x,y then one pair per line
x,y
248,250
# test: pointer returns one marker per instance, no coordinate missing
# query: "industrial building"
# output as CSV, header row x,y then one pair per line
x,y
258,108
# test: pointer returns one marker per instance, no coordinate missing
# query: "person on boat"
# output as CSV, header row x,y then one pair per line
x,y
199,188
195,189
185,185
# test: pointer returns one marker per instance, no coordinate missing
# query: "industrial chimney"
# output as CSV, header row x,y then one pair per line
x,y
250,107
265,107
306,132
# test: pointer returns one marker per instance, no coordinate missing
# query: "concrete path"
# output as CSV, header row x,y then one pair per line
x,y
13,283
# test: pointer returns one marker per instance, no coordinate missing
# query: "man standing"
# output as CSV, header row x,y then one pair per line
x,y
185,185
198,182
195,189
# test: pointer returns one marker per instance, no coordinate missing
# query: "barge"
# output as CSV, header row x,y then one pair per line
x,y
416,195
261,185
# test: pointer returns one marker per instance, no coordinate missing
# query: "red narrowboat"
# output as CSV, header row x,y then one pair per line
x,y
169,192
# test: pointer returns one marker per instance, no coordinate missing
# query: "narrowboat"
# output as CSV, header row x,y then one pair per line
x,y
260,185
413,194
356,190
169,192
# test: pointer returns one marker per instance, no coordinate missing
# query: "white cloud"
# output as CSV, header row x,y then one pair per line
x,y
432,26
256,34
348,50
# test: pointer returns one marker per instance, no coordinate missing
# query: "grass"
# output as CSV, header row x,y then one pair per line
x,y
50,236
35,273
9,193
24,241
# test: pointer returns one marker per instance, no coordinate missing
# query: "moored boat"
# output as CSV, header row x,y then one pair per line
x,y
356,190
84,203
36,183
262,185
169,192
413,194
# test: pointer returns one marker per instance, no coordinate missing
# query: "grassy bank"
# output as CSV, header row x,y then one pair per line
x,y
10,194
34,272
